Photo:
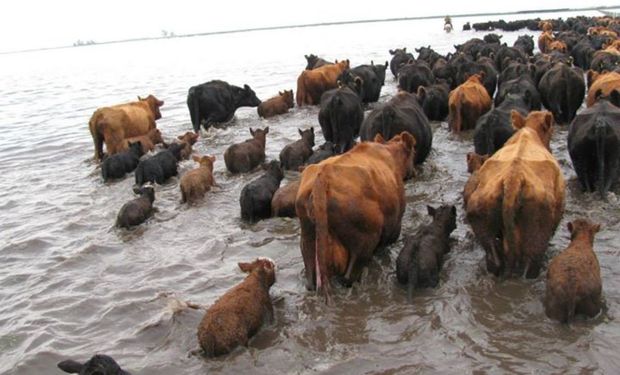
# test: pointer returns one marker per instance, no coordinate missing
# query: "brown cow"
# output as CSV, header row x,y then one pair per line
x,y
602,85
283,202
544,40
557,45
545,26
245,156
277,105
148,141
188,139
351,204
515,201
237,315
113,124
311,84
195,183
574,277
467,103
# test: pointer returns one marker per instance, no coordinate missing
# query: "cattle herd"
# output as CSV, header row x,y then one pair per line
x,y
350,198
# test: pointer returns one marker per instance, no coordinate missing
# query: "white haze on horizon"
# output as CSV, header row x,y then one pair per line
x,y
26,24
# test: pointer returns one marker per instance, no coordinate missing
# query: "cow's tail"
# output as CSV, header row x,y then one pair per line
x,y
488,127
336,120
513,186
456,118
600,132
387,120
95,130
195,110
319,204
412,274
301,89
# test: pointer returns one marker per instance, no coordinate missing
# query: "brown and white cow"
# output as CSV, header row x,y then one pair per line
x,y
515,201
111,125
351,204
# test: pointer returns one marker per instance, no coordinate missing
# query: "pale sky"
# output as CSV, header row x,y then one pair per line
x,y
28,24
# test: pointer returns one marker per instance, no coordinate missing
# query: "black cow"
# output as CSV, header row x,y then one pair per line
x,y
315,62
420,260
434,100
415,74
341,115
443,71
427,54
525,43
295,154
494,128
505,55
401,113
216,102
471,48
160,167
466,26
99,364
136,211
117,165
524,86
493,38
324,151
515,70
594,146
256,196
582,53
602,61
373,78
400,57
562,90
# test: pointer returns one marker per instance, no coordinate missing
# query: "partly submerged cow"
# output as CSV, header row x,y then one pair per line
x,y
515,201
311,84
341,115
277,105
401,113
594,146
112,125
216,102
467,103
350,205
562,89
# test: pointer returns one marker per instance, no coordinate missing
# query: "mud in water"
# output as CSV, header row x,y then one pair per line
x,y
72,285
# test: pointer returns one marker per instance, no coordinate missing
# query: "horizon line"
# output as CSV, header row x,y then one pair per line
x,y
316,24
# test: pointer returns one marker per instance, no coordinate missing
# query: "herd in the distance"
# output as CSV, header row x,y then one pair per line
x,y
350,196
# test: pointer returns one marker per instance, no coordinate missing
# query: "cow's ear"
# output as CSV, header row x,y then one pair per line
x,y
266,130
405,49
252,132
312,129
408,140
517,120
386,64
196,158
246,267
358,82
300,131
596,228
421,92
306,56
212,158
71,366
570,227
392,52
548,120
379,138
280,93
246,87
372,62
431,210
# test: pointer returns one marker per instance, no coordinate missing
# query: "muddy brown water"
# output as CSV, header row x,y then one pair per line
x,y
72,285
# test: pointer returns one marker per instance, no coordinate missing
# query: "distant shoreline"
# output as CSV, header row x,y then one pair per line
x,y
319,24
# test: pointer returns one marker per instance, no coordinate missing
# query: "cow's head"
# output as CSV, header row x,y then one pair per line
x,y
539,121
245,97
475,161
402,146
264,268
154,105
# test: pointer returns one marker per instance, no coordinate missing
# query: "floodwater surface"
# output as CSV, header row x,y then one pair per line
x,y
72,285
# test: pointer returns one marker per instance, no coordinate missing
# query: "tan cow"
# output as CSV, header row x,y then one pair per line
x,y
602,85
515,201
111,125
351,204
467,103
311,84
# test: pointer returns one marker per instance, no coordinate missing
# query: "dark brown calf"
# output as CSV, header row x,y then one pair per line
x,y
236,316
148,141
283,202
245,156
295,155
574,276
189,139
277,105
